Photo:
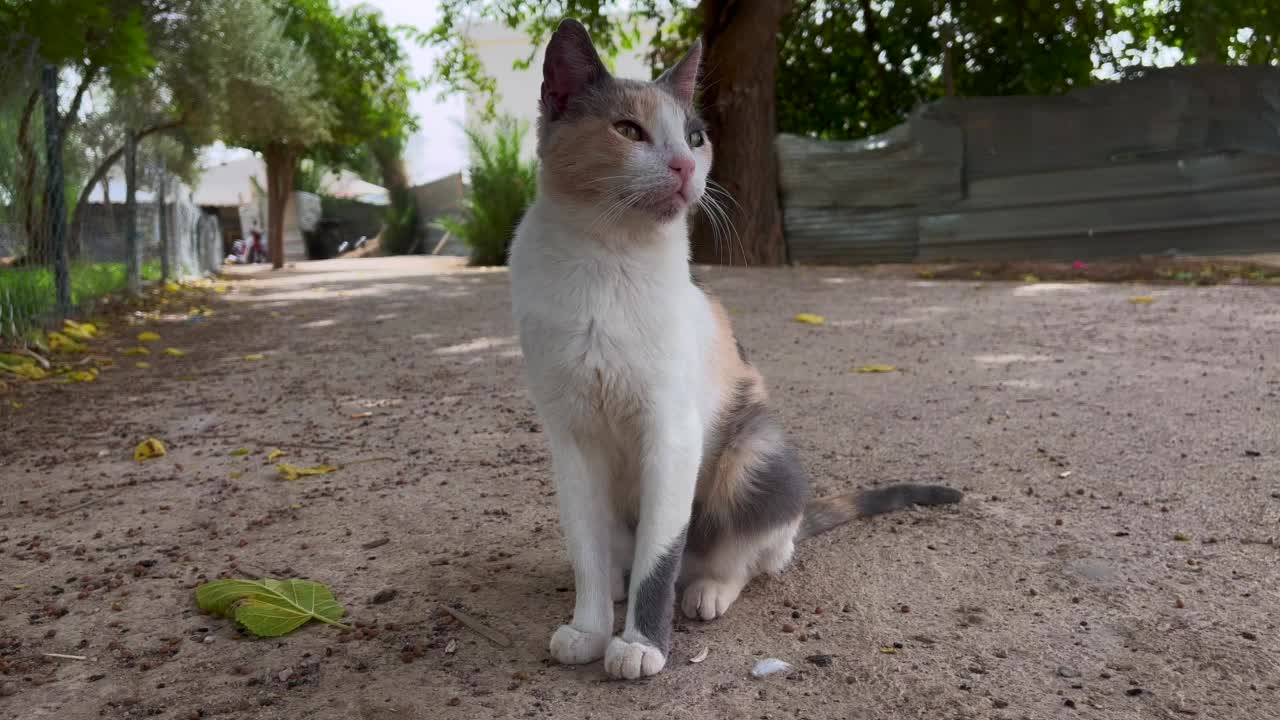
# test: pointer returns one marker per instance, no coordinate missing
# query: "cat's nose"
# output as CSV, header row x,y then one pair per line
x,y
682,166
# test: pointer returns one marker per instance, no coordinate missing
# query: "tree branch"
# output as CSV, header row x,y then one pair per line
x,y
104,167
90,73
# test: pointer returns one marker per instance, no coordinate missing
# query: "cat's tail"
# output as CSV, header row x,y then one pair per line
x,y
826,513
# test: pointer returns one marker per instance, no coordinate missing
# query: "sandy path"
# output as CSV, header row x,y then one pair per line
x,y
1044,595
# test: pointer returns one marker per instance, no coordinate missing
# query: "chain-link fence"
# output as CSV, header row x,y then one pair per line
x,y
87,208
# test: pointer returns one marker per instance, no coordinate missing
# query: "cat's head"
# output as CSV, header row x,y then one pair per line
x,y
634,150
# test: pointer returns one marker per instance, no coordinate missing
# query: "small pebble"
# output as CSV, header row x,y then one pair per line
x,y
208,639
1069,703
285,674
1067,671
820,660
999,704
1134,692
769,666
454,702
788,628
1248,635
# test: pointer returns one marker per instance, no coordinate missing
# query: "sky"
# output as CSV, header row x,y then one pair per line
x,y
439,146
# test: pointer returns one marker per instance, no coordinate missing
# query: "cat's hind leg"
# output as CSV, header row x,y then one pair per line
x,y
714,577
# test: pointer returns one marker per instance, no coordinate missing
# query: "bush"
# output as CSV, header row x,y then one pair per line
x,y
27,295
502,187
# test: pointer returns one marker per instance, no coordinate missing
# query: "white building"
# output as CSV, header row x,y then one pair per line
x,y
499,47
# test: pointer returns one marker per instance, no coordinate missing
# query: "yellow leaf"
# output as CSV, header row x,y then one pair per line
x,y
137,351
240,452
4,387
142,365
25,369
275,453
174,352
809,319
15,405
876,369
888,650
172,287
925,274
148,336
254,357
1029,278
79,331
148,449
237,475
59,342
295,506
1142,299
290,472
81,375
221,289
104,363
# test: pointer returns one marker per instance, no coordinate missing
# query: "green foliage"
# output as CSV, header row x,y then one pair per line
x,y
270,608
849,69
502,187
27,293
400,225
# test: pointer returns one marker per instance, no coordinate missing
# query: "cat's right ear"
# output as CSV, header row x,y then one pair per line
x,y
571,66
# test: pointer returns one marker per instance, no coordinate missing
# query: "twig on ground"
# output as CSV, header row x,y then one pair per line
x,y
65,657
87,503
489,633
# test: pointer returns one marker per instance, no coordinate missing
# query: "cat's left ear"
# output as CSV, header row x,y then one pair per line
x,y
682,79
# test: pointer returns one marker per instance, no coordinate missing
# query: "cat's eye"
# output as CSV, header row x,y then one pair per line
x,y
629,130
697,138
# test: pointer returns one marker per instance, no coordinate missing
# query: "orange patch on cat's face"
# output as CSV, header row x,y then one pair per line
x,y
586,158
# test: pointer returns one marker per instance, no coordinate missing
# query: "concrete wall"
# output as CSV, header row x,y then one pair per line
x,y
1182,159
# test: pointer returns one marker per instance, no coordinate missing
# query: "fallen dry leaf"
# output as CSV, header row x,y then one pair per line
x,y
137,351
174,352
148,336
148,449
142,365
361,415
702,655
1142,299
291,472
275,453
876,369
809,319
172,287
59,342
888,650
1030,279
79,331
81,376
240,452
254,357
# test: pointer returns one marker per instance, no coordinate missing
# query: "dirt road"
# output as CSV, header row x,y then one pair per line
x,y
1116,555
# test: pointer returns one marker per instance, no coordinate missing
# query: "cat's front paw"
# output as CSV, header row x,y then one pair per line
x,y
708,599
626,660
571,646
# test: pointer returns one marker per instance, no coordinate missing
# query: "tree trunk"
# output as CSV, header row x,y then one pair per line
x,y
133,265
281,159
402,214
55,205
27,196
738,104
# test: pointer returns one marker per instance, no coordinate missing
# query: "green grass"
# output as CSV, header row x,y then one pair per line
x,y
28,299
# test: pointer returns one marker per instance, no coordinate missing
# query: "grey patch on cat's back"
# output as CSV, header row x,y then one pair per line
x,y
656,596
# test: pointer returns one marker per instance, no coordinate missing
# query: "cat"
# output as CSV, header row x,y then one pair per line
x,y
670,470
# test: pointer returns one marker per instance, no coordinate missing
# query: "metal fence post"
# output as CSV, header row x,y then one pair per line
x,y
132,260
56,209
165,247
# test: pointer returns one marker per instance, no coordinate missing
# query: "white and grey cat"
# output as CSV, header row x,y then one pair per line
x,y
669,468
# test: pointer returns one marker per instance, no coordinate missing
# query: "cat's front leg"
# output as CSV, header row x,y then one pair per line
x,y
672,449
582,483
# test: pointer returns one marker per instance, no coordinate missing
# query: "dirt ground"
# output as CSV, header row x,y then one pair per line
x,y
1116,555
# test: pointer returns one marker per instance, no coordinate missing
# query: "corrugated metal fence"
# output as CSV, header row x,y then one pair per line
x,y
1182,159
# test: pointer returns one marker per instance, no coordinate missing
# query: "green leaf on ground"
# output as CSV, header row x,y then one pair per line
x,y
270,608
